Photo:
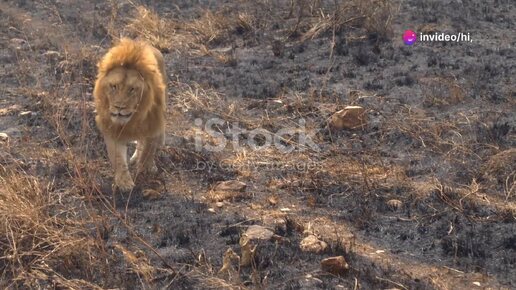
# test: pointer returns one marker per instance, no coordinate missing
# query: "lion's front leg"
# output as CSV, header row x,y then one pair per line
x,y
117,152
145,156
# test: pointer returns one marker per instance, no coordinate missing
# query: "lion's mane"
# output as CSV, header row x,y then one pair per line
x,y
149,119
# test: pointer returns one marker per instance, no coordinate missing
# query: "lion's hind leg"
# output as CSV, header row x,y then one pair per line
x,y
137,153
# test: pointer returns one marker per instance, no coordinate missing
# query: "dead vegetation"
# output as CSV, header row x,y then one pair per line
x,y
40,236
58,226
374,16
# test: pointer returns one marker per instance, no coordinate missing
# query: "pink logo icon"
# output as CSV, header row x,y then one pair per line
x,y
409,37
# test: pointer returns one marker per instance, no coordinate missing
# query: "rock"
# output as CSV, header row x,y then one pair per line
x,y
335,265
225,190
219,204
312,244
249,242
349,118
275,222
231,185
19,43
26,113
52,56
4,137
219,196
256,232
394,204
151,194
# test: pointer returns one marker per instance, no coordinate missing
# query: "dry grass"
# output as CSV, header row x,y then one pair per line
x,y
159,32
442,91
375,16
186,35
210,28
53,234
40,235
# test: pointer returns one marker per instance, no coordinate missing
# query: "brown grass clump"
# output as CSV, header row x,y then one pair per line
x,y
159,32
184,35
375,16
211,27
39,239
501,168
442,91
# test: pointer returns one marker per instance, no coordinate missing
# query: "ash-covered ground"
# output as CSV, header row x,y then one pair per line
x,y
421,197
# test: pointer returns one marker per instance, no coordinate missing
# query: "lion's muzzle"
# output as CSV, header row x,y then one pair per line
x,y
120,115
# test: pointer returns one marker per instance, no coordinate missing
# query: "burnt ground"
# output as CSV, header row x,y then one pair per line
x,y
440,142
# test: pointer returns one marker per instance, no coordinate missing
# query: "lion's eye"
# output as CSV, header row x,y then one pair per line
x,y
131,90
113,87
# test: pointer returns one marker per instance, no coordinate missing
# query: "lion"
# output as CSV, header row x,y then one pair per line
x,y
130,99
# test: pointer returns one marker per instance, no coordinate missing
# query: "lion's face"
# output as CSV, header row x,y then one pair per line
x,y
124,90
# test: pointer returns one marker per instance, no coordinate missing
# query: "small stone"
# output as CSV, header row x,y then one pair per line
x,y
4,137
231,185
285,209
256,232
351,117
394,204
250,240
151,194
275,222
212,210
219,204
19,43
219,196
312,244
335,265
52,55
225,190
25,113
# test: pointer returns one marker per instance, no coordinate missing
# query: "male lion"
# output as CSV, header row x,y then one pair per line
x,y
130,100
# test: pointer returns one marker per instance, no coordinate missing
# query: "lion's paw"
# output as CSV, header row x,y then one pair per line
x,y
124,181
